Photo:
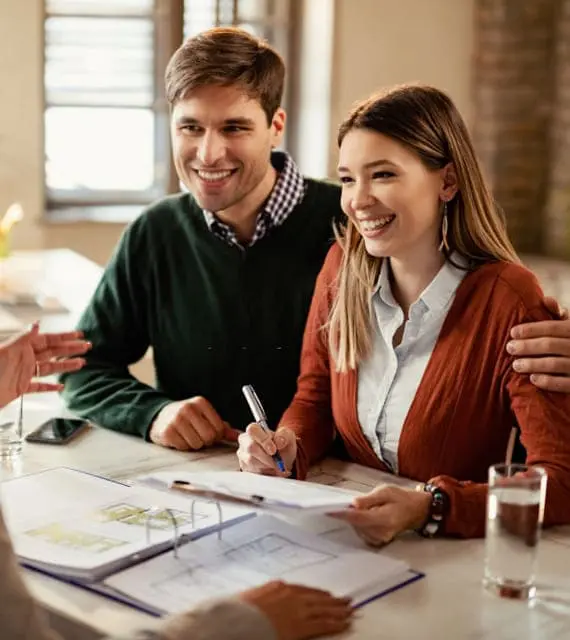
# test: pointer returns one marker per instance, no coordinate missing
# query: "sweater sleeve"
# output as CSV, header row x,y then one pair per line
x,y
310,415
116,322
228,619
544,420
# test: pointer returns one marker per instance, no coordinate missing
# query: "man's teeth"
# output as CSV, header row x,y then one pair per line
x,y
372,225
214,176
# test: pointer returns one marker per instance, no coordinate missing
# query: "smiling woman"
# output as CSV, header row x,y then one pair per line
x,y
404,350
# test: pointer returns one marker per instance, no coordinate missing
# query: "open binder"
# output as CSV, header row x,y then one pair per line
x,y
78,526
186,550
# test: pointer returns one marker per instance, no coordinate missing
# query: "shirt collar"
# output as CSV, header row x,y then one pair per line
x,y
286,194
438,292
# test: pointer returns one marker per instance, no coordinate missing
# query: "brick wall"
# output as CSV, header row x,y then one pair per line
x,y
557,213
522,116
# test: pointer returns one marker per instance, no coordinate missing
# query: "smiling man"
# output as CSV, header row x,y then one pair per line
x,y
218,281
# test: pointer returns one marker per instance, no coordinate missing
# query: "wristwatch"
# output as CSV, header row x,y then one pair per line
x,y
438,510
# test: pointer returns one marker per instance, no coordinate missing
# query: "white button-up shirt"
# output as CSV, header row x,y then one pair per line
x,y
389,378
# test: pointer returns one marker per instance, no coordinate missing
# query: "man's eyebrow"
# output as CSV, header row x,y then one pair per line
x,y
242,122
186,120
368,165
247,122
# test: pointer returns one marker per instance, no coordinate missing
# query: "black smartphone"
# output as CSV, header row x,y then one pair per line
x,y
57,431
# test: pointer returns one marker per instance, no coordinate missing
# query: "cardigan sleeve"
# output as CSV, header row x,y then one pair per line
x,y
544,420
310,415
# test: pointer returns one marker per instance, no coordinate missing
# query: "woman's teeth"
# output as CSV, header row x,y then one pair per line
x,y
378,223
214,176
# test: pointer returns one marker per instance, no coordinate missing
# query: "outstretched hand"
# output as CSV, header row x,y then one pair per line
x,y
34,354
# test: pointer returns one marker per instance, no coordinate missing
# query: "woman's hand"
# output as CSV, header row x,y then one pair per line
x,y
37,354
298,612
257,446
385,512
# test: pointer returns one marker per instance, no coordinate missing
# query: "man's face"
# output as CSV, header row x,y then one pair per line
x,y
221,144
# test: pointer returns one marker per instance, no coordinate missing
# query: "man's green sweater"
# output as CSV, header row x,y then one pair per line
x,y
216,316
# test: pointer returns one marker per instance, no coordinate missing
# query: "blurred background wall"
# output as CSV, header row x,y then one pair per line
x,y
506,63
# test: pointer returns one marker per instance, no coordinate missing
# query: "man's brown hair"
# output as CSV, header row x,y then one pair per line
x,y
227,56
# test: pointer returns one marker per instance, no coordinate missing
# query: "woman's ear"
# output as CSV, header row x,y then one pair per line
x,y
449,185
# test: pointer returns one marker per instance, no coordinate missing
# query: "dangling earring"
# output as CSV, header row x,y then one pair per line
x,y
444,224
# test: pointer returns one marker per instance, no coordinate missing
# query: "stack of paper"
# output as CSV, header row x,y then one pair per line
x,y
258,491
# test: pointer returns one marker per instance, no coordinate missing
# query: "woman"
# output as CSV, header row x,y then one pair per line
x,y
403,349
273,611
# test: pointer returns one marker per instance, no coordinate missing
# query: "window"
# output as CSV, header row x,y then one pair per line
x,y
268,19
106,120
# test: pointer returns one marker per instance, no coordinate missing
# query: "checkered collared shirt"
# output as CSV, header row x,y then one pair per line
x,y
288,191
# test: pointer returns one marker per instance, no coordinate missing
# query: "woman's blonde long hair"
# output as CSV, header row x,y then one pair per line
x,y
426,121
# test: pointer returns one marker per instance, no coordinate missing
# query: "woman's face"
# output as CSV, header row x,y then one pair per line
x,y
389,194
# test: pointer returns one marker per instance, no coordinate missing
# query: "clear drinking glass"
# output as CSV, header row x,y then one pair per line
x,y
11,430
515,509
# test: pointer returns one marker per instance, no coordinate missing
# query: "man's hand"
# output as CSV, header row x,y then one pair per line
x,y
190,425
298,612
542,349
257,446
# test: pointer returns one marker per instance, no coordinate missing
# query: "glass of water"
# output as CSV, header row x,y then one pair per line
x,y
11,430
515,509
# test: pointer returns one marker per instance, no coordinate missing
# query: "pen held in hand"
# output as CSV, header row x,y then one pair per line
x,y
260,417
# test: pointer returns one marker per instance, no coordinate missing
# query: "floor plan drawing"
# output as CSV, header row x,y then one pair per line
x,y
275,555
267,556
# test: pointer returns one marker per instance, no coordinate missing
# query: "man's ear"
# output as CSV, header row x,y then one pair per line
x,y
278,127
449,184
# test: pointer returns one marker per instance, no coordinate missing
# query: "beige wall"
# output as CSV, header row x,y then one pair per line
x,y
376,42
384,42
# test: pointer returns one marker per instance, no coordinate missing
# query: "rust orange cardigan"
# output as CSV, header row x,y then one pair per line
x,y
467,401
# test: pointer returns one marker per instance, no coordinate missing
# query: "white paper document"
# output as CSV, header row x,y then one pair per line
x,y
248,555
264,492
84,526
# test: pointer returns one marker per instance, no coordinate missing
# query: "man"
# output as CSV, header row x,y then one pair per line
x,y
219,281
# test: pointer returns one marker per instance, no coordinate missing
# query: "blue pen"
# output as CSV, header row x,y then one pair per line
x,y
260,417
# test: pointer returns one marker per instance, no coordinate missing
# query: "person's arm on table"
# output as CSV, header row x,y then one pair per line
x,y
115,321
